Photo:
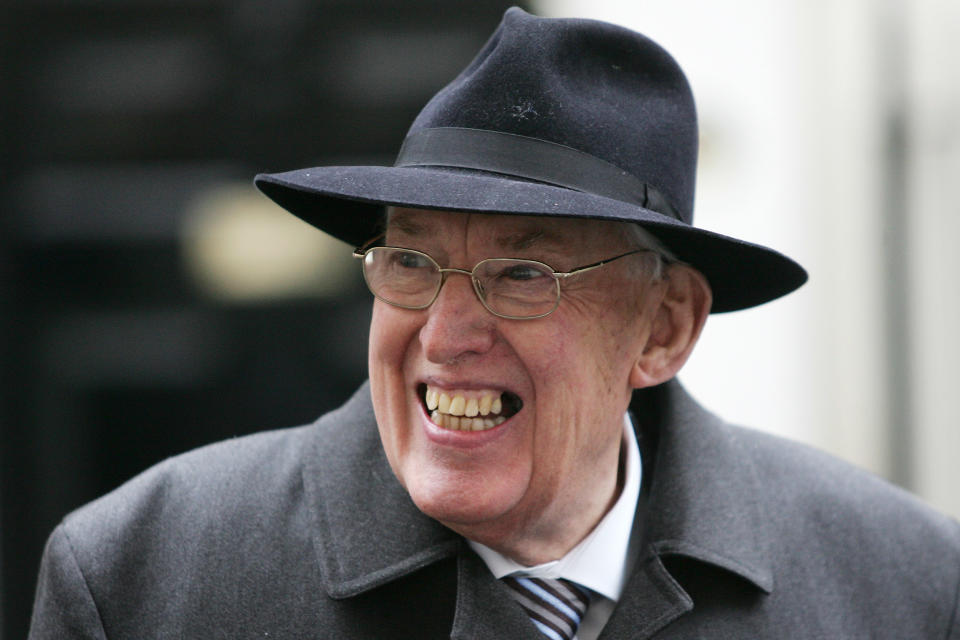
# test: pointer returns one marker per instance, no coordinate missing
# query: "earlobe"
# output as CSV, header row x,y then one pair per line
x,y
675,326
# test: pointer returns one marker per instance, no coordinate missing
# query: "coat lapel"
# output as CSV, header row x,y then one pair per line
x,y
484,610
703,490
367,531
698,501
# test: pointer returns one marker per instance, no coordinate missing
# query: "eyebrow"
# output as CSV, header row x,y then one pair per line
x,y
522,240
406,224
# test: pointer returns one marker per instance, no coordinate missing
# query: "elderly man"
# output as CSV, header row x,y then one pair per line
x,y
522,463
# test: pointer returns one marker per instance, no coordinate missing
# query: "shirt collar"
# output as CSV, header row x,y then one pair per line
x,y
600,561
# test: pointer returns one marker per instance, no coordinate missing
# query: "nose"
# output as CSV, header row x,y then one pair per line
x,y
457,323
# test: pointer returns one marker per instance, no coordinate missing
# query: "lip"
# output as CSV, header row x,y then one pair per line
x,y
465,385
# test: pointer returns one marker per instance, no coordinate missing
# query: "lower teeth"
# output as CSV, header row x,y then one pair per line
x,y
457,423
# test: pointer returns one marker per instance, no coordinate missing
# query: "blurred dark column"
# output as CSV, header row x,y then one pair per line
x,y
894,108
115,118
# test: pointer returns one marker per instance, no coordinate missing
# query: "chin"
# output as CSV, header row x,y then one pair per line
x,y
462,499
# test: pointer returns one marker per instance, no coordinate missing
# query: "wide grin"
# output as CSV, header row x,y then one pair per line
x,y
475,410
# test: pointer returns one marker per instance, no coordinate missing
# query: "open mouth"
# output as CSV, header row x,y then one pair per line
x,y
473,410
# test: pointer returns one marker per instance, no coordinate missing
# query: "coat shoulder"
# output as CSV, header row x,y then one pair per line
x,y
861,538
245,480
244,473
210,543
806,480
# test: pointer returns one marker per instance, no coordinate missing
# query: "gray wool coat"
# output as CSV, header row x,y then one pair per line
x,y
305,533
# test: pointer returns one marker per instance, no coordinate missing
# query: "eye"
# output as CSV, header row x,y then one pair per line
x,y
522,272
410,260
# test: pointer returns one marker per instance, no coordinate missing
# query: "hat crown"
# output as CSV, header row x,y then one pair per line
x,y
595,87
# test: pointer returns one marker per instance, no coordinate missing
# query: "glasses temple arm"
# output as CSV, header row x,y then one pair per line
x,y
597,265
360,251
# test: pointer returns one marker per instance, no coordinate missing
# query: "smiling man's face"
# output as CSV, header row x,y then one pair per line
x,y
538,461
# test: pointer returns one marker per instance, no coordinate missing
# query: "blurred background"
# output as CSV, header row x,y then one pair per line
x,y
152,302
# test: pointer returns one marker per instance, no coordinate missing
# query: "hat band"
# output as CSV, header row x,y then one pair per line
x,y
529,158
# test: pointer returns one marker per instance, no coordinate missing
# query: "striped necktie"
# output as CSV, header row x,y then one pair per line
x,y
555,606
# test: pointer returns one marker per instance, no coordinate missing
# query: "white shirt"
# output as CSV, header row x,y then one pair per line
x,y
601,561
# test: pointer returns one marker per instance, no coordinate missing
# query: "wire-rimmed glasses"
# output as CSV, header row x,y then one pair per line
x,y
510,288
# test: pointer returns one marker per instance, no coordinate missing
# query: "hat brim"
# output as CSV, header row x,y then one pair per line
x,y
347,203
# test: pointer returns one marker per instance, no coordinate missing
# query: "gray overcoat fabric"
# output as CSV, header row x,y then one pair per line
x,y
305,533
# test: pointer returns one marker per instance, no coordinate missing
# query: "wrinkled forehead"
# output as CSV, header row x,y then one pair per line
x,y
508,231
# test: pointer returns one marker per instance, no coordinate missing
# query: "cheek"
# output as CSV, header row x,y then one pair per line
x,y
596,351
582,390
392,336
392,331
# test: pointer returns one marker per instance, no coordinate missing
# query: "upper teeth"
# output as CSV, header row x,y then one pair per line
x,y
458,404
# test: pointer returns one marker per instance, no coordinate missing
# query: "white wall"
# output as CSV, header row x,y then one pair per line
x,y
794,100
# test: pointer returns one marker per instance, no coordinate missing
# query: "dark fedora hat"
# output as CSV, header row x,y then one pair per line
x,y
554,117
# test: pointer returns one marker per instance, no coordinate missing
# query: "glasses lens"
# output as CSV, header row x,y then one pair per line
x,y
518,288
401,276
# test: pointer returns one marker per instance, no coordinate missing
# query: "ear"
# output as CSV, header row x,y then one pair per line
x,y
677,321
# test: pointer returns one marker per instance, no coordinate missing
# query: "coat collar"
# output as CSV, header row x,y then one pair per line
x,y
367,531
701,491
704,492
